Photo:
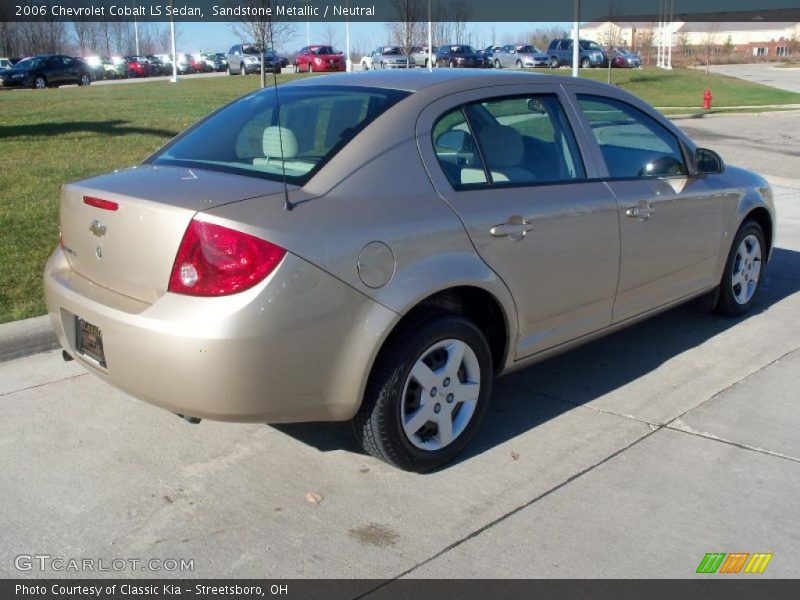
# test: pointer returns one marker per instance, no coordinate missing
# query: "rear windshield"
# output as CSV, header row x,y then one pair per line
x,y
250,137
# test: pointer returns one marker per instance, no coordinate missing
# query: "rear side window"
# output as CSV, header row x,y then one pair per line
x,y
634,145
252,137
521,140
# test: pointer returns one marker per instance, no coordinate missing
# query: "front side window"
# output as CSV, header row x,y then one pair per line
x,y
521,140
633,143
252,137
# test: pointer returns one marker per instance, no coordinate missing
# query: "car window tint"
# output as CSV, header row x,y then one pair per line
x,y
526,140
252,137
455,148
633,143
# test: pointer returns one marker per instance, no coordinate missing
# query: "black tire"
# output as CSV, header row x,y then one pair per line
x,y
497,64
230,73
554,62
727,303
378,424
39,83
85,80
586,63
519,64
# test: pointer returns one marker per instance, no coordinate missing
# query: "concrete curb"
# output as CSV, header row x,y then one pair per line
x,y
26,337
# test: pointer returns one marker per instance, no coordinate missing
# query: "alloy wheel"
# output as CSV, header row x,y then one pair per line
x,y
440,394
40,83
746,269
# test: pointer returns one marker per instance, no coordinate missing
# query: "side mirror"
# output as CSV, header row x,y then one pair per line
x,y
707,162
455,140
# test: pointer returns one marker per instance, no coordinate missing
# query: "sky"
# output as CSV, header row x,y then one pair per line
x,y
217,37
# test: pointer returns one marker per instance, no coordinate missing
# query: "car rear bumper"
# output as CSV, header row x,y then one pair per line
x,y
296,347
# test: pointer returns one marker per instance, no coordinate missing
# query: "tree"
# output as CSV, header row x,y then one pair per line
x,y
613,38
709,42
261,30
405,29
646,38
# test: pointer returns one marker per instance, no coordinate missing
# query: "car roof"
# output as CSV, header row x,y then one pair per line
x,y
454,80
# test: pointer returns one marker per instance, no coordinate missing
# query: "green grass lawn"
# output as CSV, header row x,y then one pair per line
x,y
60,135
685,87
51,137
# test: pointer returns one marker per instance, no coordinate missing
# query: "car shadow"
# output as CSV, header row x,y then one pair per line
x,y
114,127
585,373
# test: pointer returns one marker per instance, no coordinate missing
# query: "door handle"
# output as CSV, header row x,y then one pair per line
x,y
515,229
642,211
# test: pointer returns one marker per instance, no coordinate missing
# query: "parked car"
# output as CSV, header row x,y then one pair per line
x,y
44,71
220,61
319,58
202,62
114,67
184,64
5,63
157,66
488,55
519,56
624,58
95,64
387,57
459,55
420,56
244,59
444,230
137,66
590,54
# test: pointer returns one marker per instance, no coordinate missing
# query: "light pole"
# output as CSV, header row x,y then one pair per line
x,y
348,63
576,39
174,52
430,35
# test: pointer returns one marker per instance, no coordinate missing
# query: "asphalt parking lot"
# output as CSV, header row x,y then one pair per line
x,y
633,456
768,74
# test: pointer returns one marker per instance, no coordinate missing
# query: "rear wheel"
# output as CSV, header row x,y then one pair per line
x,y
741,281
427,394
85,80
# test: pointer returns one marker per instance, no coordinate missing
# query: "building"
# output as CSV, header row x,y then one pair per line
x,y
763,39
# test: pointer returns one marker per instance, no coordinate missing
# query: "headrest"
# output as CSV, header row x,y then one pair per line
x,y
274,137
502,146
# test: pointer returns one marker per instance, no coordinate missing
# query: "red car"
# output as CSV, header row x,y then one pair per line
x,y
319,58
137,66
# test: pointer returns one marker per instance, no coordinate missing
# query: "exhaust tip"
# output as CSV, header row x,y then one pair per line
x,y
66,356
188,419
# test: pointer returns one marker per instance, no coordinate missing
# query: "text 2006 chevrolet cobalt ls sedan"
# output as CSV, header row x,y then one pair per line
x,y
435,230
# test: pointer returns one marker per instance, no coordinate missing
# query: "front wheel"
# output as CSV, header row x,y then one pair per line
x,y
85,80
427,394
586,63
497,64
744,269
519,64
554,63
40,83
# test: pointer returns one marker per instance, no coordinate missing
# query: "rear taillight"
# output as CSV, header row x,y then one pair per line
x,y
100,203
216,261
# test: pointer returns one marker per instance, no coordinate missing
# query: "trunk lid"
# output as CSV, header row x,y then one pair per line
x,y
131,250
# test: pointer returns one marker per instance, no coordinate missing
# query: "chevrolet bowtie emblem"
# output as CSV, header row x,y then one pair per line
x,y
98,228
